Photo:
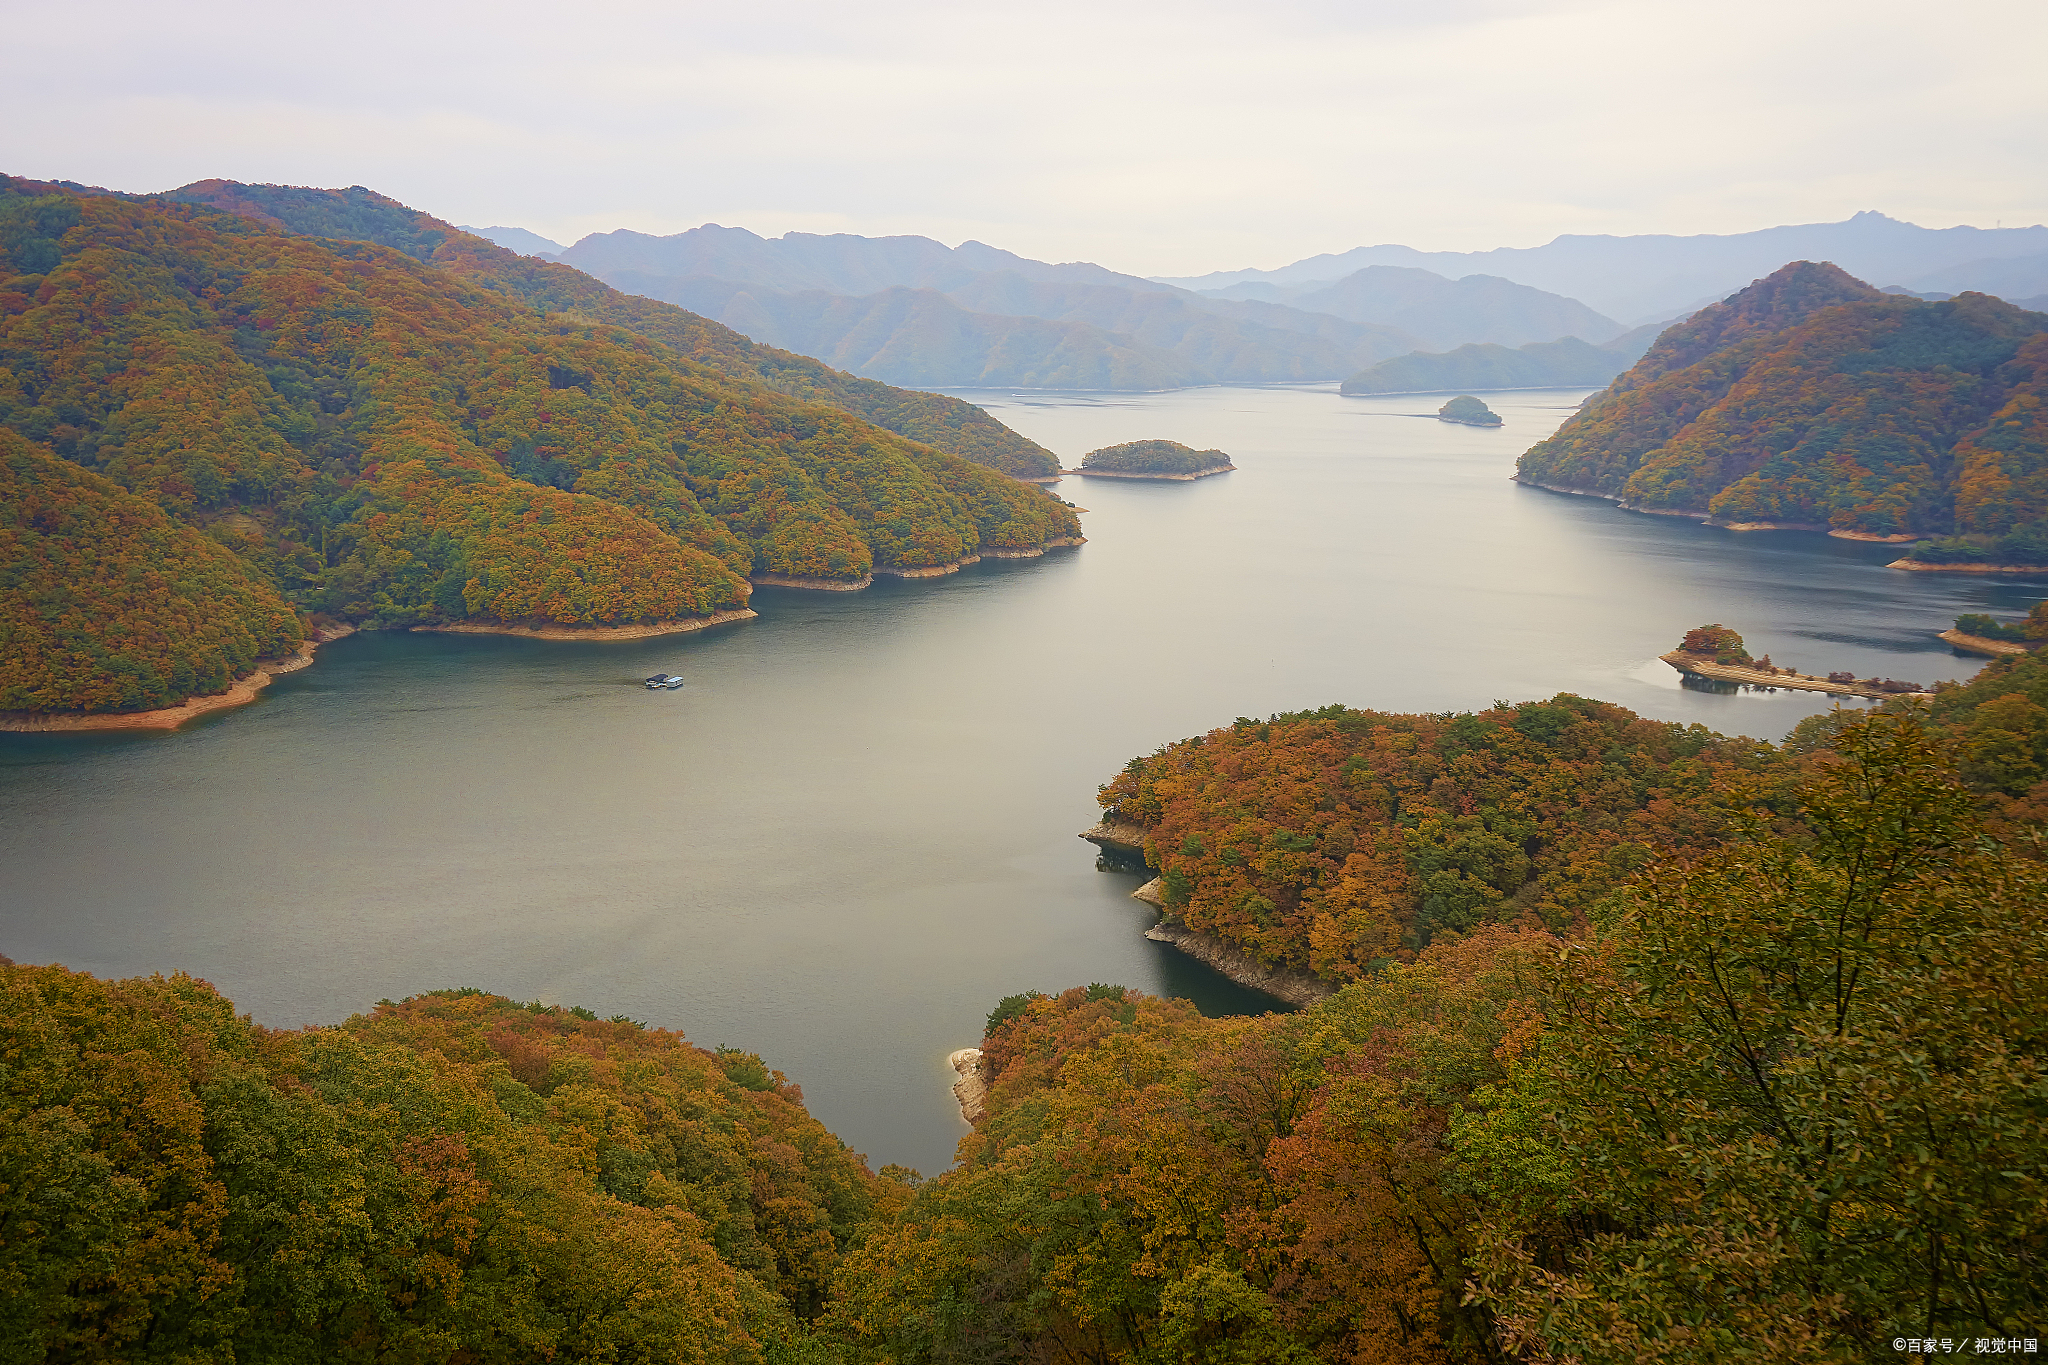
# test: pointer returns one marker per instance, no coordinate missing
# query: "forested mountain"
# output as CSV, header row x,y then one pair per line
x,y
1810,399
840,263
922,337
1540,364
1002,329
1639,278
1519,1136
364,215
392,441
1443,312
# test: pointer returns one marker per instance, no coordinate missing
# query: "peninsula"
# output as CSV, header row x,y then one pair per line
x,y
1153,460
1717,652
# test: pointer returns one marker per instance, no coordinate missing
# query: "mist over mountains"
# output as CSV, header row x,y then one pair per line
x,y
1644,278
910,310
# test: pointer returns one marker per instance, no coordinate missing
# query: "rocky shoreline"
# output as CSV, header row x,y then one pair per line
x,y
1288,984
783,580
1978,644
1700,667
1710,519
1918,566
971,1090
239,693
1177,478
645,630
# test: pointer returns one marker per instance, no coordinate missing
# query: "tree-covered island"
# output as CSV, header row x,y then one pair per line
x,y
1154,460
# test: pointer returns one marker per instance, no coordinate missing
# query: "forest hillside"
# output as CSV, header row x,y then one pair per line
x,y
360,214
1650,1112
385,441
1811,400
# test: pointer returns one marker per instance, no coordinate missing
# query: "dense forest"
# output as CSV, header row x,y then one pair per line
x,y
383,441
1153,457
1767,1086
1470,411
1811,400
358,214
192,614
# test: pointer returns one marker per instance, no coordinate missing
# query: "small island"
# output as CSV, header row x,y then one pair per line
x,y
1468,411
1153,460
1718,653
2021,550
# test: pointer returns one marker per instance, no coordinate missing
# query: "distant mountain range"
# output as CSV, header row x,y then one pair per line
x,y
1565,363
1641,278
913,311
910,310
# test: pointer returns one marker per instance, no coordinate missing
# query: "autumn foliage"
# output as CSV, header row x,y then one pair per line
x,y
1337,840
457,1177
395,442
107,604
1809,399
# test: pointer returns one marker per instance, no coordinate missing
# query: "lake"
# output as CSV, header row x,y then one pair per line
x,y
853,832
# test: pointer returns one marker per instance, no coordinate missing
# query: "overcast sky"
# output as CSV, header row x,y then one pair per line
x,y
1156,138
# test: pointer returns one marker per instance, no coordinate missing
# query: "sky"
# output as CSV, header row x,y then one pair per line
x,y
1154,138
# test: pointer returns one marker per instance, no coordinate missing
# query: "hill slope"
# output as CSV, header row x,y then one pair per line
x,y
360,214
1810,399
1540,364
107,604
1446,312
383,441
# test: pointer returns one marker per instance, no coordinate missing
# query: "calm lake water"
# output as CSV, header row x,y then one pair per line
x,y
854,831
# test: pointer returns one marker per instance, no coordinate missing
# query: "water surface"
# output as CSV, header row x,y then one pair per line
x,y
854,831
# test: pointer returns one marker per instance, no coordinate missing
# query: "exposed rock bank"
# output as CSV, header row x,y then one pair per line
x,y
971,1090
1701,667
1124,838
1177,478
1918,566
554,630
1979,644
783,580
239,693
1290,984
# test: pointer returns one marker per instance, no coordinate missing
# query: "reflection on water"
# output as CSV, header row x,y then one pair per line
x,y
853,832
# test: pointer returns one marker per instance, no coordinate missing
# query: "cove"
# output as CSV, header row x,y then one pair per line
x,y
854,831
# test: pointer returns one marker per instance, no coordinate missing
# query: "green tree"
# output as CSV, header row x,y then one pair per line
x,y
1795,1099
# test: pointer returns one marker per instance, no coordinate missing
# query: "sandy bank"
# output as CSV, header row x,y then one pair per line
x,y
1978,644
1918,567
1464,422
971,1090
783,580
239,693
1755,677
1176,478
551,630
1290,984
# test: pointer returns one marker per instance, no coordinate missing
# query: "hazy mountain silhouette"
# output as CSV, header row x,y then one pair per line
x,y
1443,312
1635,278
517,239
